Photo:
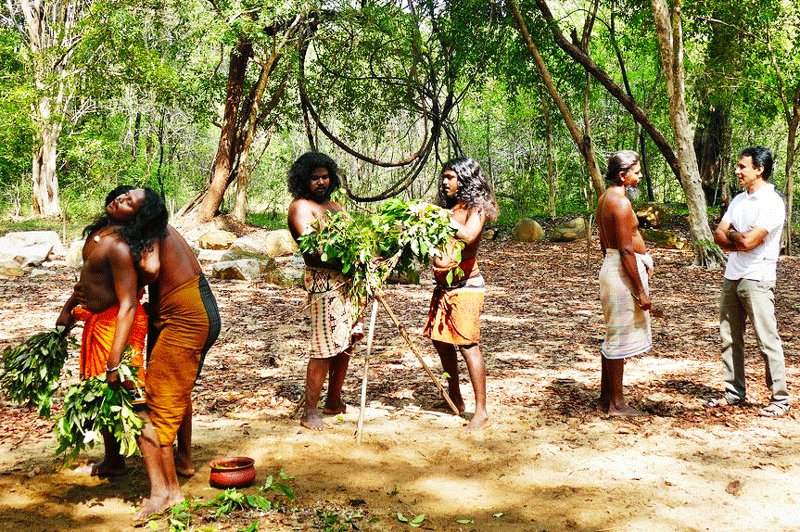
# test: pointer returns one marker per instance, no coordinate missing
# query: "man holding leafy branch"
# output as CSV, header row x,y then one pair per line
x,y
106,297
454,316
312,179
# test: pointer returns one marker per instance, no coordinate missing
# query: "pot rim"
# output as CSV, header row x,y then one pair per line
x,y
242,462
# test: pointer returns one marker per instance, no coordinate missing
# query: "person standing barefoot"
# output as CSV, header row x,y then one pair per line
x,y
624,292
454,316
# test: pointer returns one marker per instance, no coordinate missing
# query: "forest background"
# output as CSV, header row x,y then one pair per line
x,y
209,102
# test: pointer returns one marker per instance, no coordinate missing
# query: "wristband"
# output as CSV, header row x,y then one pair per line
x,y
115,368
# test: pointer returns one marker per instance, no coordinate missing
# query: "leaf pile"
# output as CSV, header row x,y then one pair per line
x,y
92,407
29,373
369,247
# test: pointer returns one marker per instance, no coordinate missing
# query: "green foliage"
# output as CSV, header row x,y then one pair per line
x,y
333,522
92,407
414,522
367,248
30,371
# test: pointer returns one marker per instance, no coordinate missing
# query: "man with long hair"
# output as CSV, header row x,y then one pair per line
x,y
312,179
751,231
624,291
454,316
107,296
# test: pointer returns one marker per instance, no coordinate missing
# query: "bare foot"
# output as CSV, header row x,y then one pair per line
x,y
311,420
109,467
624,411
478,422
183,465
340,408
153,506
603,406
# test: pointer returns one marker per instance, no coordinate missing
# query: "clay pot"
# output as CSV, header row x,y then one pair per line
x,y
232,472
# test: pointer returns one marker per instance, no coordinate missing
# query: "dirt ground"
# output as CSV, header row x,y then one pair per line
x,y
549,461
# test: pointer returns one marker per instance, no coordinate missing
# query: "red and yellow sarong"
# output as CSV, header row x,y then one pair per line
x,y
455,311
187,324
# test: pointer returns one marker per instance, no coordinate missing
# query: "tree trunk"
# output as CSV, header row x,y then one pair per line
x,y
670,40
552,178
45,179
583,142
792,147
712,146
206,203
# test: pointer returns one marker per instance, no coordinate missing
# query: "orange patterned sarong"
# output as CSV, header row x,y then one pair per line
x,y
98,336
455,312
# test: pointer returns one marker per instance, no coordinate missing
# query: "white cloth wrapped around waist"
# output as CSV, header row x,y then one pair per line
x,y
627,325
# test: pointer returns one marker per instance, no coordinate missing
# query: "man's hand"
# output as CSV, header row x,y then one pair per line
x,y
112,378
644,301
66,320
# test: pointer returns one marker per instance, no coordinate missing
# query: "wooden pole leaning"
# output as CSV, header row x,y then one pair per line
x,y
360,427
379,297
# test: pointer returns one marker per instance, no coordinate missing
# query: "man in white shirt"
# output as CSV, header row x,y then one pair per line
x,y
751,231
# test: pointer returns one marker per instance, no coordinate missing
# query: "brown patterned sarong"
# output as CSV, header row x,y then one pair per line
x,y
331,310
455,312
187,324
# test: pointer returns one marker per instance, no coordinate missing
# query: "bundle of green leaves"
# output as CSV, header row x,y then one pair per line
x,y
29,372
368,247
92,407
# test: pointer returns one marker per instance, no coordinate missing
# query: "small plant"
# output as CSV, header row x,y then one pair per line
x,y
414,522
29,373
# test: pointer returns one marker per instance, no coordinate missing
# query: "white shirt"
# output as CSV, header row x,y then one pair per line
x,y
765,209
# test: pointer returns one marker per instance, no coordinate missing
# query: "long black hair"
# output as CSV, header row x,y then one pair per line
x,y
474,191
300,174
148,225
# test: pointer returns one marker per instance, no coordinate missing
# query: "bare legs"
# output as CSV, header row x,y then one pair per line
x,y
477,374
183,456
612,400
318,369
159,462
113,463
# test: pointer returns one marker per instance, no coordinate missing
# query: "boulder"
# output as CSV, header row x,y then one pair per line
x,y
570,231
661,238
216,239
37,272
527,230
262,245
31,248
74,256
10,268
652,215
242,269
289,272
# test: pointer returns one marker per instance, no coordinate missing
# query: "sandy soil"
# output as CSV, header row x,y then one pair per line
x,y
548,461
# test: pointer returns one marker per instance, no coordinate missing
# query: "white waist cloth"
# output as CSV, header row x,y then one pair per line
x,y
627,325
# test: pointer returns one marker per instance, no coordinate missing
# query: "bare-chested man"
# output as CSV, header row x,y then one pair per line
x,y
624,293
312,179
107,296
454,317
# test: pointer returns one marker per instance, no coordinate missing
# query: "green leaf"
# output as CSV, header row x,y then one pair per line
x,y
465,521
498,515
402,518
418,520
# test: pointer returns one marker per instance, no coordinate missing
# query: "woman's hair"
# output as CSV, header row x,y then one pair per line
x,y
474,191
300,174
622,161
147,226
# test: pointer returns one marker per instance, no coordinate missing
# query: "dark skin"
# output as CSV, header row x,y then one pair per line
x,y
469,228
302,212
619,229
178,265
108,277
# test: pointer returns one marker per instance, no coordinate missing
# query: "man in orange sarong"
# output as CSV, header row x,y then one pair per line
x,y
454,317
107,295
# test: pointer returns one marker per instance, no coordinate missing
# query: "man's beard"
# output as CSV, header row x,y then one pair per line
x,y
632,193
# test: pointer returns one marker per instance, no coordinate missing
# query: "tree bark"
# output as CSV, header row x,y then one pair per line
x,y
670,40
552,177
45,179
583,142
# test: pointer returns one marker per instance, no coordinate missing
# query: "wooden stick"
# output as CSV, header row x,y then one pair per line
x,y
370,334
297,407
403,332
